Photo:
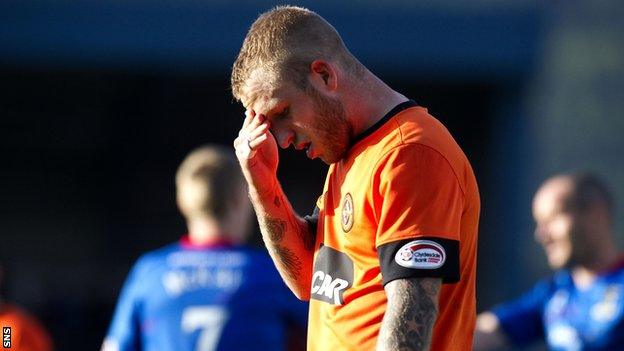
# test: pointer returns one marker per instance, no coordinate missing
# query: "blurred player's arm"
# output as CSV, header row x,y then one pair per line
x,y
287,236
513,323
488,334
410,315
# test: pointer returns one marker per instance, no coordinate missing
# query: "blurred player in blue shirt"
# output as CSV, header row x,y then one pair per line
x,y
581,307
208,291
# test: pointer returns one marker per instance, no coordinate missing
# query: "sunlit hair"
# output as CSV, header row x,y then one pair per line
x,y
589,190
208,182
282,43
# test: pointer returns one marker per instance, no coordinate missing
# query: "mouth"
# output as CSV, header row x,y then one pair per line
x,y
552,249
307,148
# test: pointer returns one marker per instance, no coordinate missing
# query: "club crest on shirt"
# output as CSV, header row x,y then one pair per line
x,y
421,254
347,213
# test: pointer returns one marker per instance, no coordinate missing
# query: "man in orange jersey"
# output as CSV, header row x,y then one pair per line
x,y
20,330
387,259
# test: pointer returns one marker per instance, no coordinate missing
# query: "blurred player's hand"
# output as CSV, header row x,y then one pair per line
x,y
256,150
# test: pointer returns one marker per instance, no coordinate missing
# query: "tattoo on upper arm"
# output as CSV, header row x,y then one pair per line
x,y
411,314
289,260
275,228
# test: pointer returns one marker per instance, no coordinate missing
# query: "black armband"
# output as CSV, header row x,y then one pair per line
x,y
422,257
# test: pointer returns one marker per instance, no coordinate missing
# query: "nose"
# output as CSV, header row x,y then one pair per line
x,y
284,137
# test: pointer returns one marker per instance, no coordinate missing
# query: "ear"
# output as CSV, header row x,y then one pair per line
x,y
323,75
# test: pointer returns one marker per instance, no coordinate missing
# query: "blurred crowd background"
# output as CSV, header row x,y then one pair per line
x,y
100,100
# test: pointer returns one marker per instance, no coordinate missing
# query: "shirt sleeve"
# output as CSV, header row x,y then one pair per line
x,y
521,319
419,203
124,331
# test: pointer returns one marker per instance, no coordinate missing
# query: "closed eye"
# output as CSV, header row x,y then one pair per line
x,y
283,115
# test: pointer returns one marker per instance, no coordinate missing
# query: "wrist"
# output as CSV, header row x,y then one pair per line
x,y
266,192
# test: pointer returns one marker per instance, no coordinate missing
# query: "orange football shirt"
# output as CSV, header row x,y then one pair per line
x,y
26,334
402,203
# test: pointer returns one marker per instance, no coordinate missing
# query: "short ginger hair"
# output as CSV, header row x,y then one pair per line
x,y
282,43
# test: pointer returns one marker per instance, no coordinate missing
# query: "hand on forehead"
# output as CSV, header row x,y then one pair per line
x,y
263,102
264,105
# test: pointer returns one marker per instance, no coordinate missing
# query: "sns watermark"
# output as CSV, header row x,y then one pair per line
x,y
6,337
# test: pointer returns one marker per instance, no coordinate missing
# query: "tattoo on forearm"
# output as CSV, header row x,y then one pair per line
x,y
277,202
290,261
275,228
411,316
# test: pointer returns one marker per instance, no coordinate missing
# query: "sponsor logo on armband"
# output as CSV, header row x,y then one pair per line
x,y
421,254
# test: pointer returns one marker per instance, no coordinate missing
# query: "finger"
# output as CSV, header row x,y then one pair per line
x,y
238,142
249,115
241,141
249,149
261,129
252,124
257,120
244,149
258,141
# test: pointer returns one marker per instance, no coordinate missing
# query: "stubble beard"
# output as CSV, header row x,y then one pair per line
x,y
331,127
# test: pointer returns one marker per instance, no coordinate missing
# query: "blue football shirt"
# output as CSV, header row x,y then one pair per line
x,y
566,317
189,298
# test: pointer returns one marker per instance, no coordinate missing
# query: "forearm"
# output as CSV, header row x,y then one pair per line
x,y
288,238
410,315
